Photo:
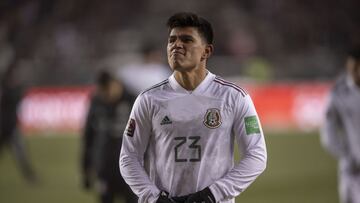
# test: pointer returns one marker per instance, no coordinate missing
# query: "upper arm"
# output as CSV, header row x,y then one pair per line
x,y
135,142
332,116
332,129
90,117
138,130
247,127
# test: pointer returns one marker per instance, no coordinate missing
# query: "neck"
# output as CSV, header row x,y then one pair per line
x,y
190,80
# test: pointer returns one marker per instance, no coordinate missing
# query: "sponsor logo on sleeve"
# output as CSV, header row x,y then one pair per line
x,y
252,125
130,128
212,118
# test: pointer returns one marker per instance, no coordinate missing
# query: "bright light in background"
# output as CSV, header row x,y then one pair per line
x,y
54,110
309,107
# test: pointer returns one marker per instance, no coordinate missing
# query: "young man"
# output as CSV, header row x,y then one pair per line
x,y
341,130
179,142
108,113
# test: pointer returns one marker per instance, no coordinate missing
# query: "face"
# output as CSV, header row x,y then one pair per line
x,y
353,67
186,49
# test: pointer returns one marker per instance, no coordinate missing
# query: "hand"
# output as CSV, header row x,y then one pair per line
x,y
180,199
87,182
164,198
203,196
88,179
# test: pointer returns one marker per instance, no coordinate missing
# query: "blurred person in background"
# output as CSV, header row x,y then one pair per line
x,y
11,94
179,142
106,120
341,131
150,71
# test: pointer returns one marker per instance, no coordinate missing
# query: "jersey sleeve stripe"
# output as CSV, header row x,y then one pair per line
x,y
239,89
156,86
230,83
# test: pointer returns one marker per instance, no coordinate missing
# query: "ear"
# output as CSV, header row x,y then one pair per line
x,y
209,49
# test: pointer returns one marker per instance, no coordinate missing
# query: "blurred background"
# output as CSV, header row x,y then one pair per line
x,y
286,53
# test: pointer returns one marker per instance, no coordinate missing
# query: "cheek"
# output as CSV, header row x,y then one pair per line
x,y
168,50
197,53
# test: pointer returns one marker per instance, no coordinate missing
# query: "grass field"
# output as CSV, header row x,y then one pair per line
x,y
298,171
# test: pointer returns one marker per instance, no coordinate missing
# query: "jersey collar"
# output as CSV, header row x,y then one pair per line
x,y
198,90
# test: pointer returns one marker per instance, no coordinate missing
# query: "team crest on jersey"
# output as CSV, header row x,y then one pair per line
x,y
130,129
212,118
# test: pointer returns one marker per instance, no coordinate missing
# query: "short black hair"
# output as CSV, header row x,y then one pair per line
x,y
354,52
187,19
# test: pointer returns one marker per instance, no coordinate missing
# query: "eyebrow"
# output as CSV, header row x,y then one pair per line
x,y
181,36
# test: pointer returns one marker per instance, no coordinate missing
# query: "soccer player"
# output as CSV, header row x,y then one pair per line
x,y
179,142
340,134
11,93
109,110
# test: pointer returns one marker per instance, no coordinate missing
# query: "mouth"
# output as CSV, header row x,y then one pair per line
x,y
177,52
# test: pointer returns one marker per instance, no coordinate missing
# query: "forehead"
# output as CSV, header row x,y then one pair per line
x,y
180,31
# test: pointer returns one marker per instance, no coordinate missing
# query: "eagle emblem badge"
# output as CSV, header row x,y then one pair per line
x,y
212,118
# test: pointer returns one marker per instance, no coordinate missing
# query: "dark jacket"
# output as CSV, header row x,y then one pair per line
x,y
102,136
10,97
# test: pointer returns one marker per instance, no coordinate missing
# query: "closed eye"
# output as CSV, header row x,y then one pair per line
x,y
186,39
183,38
171,39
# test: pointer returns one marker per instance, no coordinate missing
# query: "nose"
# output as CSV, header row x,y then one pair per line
x,y
178,44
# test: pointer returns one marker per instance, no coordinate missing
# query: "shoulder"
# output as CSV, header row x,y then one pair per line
x,y
340,87
228,86
153,92
146,100
155,88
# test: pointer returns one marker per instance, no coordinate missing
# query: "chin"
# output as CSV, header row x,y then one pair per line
x,y
176,66
180,69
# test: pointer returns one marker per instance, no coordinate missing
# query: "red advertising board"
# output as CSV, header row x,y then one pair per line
x,y
285,106
54,109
